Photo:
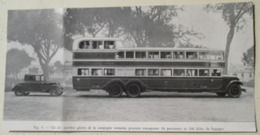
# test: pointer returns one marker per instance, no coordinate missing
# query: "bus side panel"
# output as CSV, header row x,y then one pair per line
x,y
81,83
94,55
178,84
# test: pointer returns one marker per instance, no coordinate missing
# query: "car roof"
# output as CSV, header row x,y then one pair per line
x,y
34,74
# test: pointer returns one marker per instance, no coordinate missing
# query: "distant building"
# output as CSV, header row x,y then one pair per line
x,y
243,72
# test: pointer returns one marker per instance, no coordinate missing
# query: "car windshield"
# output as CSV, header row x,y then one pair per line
x,y
42,78
37,78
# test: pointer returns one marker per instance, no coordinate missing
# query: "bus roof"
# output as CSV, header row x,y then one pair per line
x,y
167,49
84,38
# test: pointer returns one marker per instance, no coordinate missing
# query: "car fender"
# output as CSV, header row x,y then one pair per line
x,y
56,86
233,82
19,85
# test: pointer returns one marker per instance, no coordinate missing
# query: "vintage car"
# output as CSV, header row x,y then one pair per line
x,y
37,83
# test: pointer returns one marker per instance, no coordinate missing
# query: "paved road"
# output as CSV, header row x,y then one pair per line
x,y
151,106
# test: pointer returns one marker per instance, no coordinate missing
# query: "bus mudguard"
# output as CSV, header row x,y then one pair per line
x,y
233,82
106,86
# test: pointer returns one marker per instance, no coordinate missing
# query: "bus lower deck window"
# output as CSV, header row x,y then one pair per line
x,y
153,72
109,71
204,72
140,72
191,72
166,72
96,72
215,72
178,72
83,71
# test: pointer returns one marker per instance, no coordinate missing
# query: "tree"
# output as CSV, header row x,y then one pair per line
x,y
58,66
248,57
150,26
89,22
145,26
233,14
17,60
41,29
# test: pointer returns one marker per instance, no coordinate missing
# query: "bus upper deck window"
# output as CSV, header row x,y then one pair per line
x,y
166,55
153,72
204,72
97,45
219,56
129,54
191,72
96,72
166,72
153,55
140,55
140,72
109,44
84,45
178,55
203,55
109,71
120,55
83,71
191,55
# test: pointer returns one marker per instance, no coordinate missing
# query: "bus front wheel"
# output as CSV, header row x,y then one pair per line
x,y
234,91
133,90
115,90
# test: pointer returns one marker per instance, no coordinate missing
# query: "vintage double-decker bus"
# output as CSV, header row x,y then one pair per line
x,y
100,64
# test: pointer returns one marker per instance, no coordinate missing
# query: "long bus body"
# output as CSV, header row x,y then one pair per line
x,y
99,64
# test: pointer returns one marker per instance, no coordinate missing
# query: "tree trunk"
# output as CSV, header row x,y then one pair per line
x,y
230,36
45,70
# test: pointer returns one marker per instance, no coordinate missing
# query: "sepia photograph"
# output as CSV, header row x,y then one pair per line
x,y
155,66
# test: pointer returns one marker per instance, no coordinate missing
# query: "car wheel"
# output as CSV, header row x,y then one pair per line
x,y
55,91
133,90
221,94
234,91
26,93
19,91
115,90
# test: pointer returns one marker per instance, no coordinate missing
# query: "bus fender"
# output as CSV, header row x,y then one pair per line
x,y
233,82
138,82
106,86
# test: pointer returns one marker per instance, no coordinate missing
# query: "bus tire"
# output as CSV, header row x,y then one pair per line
x,y
234,91
133,90
221,94
115,90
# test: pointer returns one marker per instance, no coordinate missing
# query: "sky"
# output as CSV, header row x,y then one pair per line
x,y
211,25
215,30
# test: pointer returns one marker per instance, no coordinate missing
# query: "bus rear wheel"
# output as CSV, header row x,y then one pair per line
x,y
234,91
115,90
133,90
